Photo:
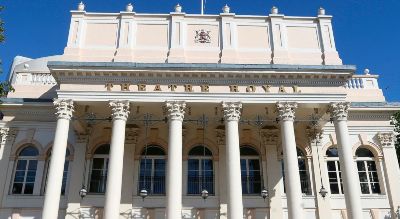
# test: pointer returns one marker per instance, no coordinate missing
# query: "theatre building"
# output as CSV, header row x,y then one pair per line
x,y
191,116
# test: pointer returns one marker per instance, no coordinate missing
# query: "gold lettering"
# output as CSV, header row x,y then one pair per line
x,y
109,86
282,89
157,87
234,88
205,88
251,89
296,89
141,87
267,88
172,87
188,88
125,86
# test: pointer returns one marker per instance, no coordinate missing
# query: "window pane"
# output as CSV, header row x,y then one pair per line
x,y
373,176
254,164
371,165
32,165
360,166
30,176
375,188
98,163
28,188
17,188
332,152
302,164
193,165
332,177
159,167
364,188
363,152
19,176
363,177
334,188
331,166
21,164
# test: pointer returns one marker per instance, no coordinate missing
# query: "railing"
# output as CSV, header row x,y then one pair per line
x,y
362,82
35,79
155,185
196,184
252,184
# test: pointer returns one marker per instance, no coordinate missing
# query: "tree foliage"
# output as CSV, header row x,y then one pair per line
x,y
396,122
5,86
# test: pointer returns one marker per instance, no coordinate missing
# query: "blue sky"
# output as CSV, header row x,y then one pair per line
x,y
367,32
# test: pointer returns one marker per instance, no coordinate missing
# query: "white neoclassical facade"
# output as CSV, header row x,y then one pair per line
x,y
196,116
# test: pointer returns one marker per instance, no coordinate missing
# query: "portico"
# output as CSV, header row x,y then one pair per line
x,y
187,116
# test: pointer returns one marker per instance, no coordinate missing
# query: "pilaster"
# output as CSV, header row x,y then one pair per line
x,y
275,180
222,192
8,136
392,172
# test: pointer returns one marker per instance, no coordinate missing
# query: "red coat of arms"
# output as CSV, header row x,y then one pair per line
x,y
202,36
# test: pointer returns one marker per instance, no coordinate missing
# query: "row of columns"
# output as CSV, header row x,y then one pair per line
x,y
175,113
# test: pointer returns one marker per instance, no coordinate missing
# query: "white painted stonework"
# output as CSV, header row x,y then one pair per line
x,y
178,103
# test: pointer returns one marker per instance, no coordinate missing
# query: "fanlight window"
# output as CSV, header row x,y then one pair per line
x,y
152,170
334,173
99,168
25,171
250,170
367,172
200,171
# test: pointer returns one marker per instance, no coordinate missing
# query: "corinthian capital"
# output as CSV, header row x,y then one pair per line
x,y
64,108
286,110
7,134
231,110
119,109
386,139
339,111
175,110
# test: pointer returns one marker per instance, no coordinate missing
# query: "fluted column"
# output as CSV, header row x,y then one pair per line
x,y
234,189
351,184
56,168
293,185
120,112
391,170
175,113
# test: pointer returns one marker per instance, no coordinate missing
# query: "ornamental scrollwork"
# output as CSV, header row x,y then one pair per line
x,y
220,136
175,110
386,139
270,136
339,111
286,110
119,109
64,108
232,110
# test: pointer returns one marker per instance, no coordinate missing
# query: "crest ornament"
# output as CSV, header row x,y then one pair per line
x,y
202,36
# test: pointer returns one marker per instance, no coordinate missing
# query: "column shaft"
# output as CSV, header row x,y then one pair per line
x,y
235,203
174,167
351,184
292,177
293,185
115,164
56,168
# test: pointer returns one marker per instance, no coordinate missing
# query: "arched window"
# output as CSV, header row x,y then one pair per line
x,y
25,171
98,169
367,172
200,171
334,173
152,170
303,173
65,171
250,166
